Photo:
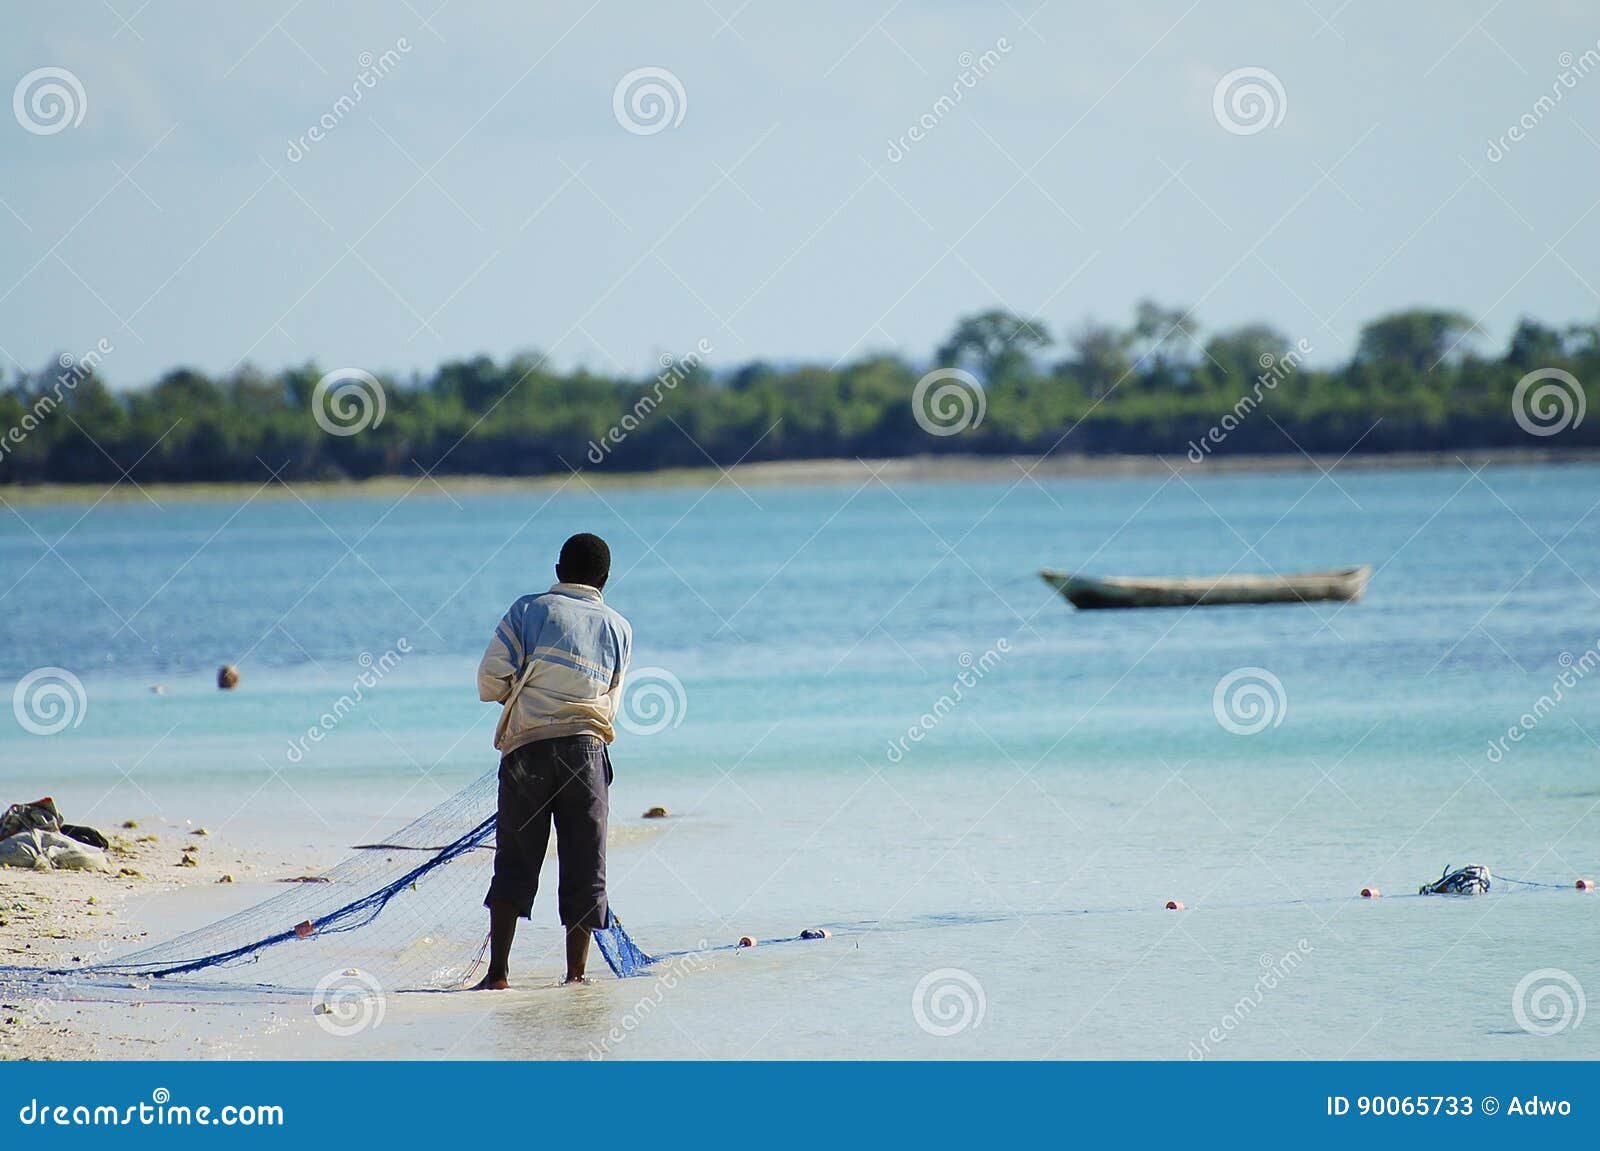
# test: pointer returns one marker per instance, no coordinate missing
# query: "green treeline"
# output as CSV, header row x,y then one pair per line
x,y
1159,385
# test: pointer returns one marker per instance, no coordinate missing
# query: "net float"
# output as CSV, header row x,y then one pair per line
x,y
1584,885
1370,893
304,929
1175,905
747,941
816,933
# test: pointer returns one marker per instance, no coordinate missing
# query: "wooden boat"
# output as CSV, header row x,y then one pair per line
x,y
1204,591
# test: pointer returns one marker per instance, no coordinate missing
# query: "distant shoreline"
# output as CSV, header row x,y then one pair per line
x,y
910,469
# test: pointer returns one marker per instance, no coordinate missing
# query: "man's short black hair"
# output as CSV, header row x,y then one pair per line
x,y
586,559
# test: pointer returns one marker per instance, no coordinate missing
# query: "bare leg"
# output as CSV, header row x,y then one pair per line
x,y
577,953
502,930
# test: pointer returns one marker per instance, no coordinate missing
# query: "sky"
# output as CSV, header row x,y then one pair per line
x,y
494,190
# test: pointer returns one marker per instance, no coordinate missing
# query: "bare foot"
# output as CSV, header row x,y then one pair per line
x,y
492,983
577,981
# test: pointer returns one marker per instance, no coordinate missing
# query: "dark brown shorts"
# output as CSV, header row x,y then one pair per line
x,y
567,781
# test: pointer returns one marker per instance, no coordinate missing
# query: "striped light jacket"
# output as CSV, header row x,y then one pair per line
x,y
579,649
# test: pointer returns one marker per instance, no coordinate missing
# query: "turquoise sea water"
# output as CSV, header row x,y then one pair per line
x,y
792,638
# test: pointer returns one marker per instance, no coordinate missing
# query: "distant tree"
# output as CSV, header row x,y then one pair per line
x,y
750,376
997,344
1235,357
1418,338
186,389
1165,340
1583,339
1102,357
1533,344
475,384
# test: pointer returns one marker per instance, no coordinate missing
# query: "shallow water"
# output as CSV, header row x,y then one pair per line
x,y
810,628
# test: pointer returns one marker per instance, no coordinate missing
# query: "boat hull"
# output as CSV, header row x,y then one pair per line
x,y
1089,593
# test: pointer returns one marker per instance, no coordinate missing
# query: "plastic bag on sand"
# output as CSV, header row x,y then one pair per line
x,y
47,850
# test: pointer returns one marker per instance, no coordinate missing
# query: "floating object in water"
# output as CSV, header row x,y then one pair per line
x,y
305,929
1584,885
1088,592
816,933
747,941
1176,905
1471,880
227,677
1370,893
158,689
656,813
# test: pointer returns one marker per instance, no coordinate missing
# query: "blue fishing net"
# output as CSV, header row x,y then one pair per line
x,y
404,914
621,953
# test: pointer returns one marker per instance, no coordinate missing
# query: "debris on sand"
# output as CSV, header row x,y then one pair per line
x,y
33,837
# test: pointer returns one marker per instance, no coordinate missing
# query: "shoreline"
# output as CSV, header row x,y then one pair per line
x,y
819,472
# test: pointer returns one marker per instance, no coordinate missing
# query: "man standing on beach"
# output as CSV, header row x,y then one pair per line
x,y
556,662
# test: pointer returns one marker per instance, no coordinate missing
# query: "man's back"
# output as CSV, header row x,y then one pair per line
x,y
578,647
